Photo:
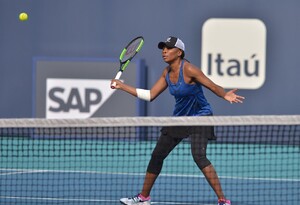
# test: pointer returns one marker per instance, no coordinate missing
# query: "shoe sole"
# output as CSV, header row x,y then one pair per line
x,y
126,204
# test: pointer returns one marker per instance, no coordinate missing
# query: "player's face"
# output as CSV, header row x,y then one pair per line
x,y
170,54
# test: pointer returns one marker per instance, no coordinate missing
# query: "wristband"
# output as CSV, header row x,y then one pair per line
x,y
143,94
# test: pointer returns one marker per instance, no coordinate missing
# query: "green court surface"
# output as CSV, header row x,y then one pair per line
x,y
247,171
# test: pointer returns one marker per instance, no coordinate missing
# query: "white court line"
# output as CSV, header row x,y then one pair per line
x,y
142,174
14,172
90,200
56,199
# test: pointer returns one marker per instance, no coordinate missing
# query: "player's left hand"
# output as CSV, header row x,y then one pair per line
x,y
231,97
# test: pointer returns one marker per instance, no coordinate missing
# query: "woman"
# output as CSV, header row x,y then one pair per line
x,y
185,83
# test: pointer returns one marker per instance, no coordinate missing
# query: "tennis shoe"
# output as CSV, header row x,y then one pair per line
x,y
136,200
224,202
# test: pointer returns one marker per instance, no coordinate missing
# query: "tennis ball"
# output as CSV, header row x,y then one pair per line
x,y
23,16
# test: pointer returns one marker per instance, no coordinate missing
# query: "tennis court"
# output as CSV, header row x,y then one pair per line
x,y
100,170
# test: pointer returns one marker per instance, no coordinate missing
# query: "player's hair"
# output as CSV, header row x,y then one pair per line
x,y
182,54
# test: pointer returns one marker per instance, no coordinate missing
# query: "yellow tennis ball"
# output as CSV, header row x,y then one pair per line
x,y
23,16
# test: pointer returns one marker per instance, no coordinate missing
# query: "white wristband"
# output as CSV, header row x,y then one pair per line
x,y
143,94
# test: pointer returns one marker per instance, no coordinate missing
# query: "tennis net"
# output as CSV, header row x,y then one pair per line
x,y
99,160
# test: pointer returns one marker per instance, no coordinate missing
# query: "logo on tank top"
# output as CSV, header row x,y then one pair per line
x,y
234,52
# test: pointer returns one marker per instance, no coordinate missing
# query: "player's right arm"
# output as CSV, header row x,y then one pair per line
x,y
160,85
155,91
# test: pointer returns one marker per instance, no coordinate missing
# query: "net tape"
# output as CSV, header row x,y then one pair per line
x,y
155,121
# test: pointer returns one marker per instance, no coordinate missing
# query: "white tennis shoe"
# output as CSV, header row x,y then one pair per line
x,y
136,200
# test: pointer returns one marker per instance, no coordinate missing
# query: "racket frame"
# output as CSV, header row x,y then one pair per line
x,y
124,63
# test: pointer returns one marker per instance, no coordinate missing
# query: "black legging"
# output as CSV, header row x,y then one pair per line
x,y
171,136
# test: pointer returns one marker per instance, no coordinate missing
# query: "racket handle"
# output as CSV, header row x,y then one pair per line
x,y
113,86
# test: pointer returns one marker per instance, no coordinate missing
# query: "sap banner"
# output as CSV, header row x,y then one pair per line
x,y
80,88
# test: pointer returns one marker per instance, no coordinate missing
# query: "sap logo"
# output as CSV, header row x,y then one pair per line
x,y
75,98
234,52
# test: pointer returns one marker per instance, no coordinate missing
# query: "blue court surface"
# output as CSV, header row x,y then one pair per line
x,y
72,172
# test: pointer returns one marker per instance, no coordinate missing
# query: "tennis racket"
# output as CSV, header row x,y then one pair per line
x,y
127,54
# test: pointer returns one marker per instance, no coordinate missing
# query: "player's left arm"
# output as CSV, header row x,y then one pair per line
x,y
195,74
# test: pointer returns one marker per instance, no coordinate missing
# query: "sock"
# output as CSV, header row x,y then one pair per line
x,y
144,198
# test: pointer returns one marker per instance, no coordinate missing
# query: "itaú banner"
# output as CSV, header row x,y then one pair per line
x,y
234,52
80,88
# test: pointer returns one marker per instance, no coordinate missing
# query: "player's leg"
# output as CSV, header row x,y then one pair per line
x,y
199,145
148,183
213,179
164,146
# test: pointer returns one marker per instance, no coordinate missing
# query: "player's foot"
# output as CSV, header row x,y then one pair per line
x,y
136,200
224,202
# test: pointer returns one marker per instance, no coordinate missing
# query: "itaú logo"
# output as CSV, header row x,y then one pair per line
x,y
75,98
234,52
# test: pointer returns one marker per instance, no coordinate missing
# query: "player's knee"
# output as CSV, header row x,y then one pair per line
x,y
155,164
201,161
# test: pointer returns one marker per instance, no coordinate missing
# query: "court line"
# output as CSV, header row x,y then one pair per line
x,y
57,199
22,171
90,200
12,172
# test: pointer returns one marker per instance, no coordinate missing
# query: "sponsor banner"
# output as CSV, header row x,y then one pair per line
x,y
75,98
234,52
80,88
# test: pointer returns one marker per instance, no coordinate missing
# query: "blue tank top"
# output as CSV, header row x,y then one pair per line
x,y
189,98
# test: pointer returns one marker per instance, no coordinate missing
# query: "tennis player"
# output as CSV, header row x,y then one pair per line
x,y
185,83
